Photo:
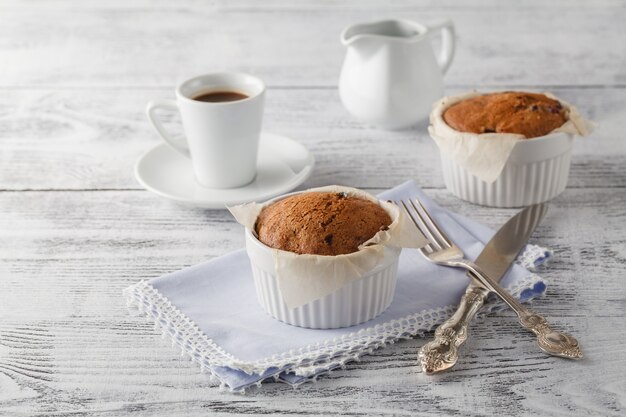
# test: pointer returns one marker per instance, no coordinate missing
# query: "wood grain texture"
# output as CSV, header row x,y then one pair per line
x,y
68,140
145,45
75,228
65,325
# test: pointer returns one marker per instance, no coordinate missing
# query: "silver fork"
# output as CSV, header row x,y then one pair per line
x,y
442,251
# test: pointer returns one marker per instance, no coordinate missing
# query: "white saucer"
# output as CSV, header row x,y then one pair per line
x,y
283,164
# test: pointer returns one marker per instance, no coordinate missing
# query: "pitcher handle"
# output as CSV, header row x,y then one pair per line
x,y
447,43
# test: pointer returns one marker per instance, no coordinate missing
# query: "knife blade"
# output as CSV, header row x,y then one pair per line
x,y
495,260
502,249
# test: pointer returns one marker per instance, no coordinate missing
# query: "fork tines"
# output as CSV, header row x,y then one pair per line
x,y
425,224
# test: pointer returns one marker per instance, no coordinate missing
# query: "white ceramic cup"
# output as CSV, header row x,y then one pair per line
x,y
221,138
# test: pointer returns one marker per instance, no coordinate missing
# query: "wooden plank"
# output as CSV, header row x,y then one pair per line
x,y
69,140
291,45
96,375
68,345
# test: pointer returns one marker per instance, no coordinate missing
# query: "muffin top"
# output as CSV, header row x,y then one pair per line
x,y
528,114
320,223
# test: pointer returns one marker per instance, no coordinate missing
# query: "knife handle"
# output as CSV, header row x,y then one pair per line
x,y
443,352
549,340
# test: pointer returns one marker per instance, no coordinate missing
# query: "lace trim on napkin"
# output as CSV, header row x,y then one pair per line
x,y
314,358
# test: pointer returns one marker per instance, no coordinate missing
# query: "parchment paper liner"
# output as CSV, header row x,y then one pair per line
x,y
305,278
484,155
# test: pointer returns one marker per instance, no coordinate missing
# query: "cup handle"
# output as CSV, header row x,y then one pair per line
x,y
151,109
447,44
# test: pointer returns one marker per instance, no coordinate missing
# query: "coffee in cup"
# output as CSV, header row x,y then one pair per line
x,y
220,96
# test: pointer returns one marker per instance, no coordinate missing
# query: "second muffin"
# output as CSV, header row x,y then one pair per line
x,y
528,114
505,149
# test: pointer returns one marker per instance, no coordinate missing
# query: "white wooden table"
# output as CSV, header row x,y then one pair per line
x,y
76,228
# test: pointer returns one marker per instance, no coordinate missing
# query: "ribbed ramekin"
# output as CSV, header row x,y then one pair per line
x,y
537,170
357,302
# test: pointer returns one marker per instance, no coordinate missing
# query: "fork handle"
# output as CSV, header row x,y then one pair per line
x,y
443,352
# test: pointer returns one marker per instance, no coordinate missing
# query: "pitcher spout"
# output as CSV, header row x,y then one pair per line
x,y
384,30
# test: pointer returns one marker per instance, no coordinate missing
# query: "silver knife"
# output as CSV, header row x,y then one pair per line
x,y
493,263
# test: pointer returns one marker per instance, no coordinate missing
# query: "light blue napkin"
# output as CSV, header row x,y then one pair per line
x,y
211,312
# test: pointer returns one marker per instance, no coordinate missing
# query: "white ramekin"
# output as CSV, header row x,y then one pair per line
x,y
357,302
536,171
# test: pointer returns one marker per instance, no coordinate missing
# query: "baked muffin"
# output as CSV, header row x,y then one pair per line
x,y
528,114
320,223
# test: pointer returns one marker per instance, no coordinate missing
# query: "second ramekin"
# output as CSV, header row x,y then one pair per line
x,y
537,170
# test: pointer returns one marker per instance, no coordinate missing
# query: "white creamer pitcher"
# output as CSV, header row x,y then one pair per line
x,y
390,77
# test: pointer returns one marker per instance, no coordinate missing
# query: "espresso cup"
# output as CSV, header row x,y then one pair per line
x,y
221,137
